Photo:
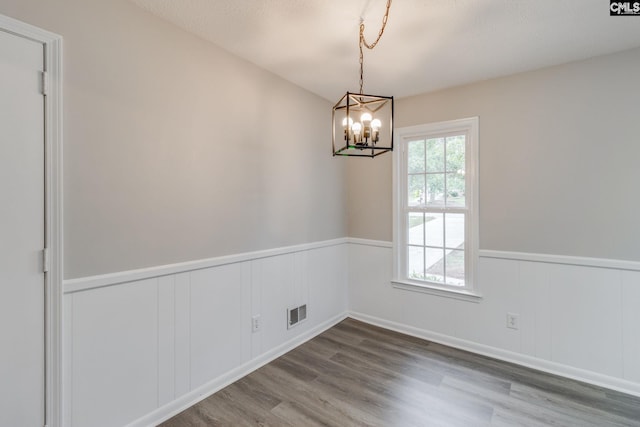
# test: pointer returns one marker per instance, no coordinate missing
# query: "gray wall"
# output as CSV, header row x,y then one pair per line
x,y
175,150
559,153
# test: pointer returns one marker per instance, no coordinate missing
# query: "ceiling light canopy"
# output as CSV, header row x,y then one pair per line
x,y
363,124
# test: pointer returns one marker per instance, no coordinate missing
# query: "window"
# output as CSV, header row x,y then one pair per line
x,y
436,213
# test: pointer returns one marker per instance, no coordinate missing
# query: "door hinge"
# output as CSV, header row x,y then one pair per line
x,y
45,260
45,83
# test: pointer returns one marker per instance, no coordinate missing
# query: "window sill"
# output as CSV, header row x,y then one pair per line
x,y
425,288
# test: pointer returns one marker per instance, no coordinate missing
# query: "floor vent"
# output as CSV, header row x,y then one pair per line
x,y
296,315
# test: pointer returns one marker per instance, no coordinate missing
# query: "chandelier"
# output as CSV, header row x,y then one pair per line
x,y
363,124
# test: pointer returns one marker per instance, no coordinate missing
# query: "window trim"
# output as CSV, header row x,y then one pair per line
x,y
470,126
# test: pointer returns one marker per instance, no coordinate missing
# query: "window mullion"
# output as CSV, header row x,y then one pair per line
x,y
424,248
444,264
444,246
418,209
424,225
446,186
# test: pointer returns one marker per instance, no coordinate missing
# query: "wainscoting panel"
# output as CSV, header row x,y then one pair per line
x,y
535,320
115,354
277,282
631,320
166,340
182,338
140,350
580,321
216,326
326,286
371,293
586,314
486,322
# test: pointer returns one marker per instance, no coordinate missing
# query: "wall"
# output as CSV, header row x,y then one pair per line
x,y
558,158
559,237
175,150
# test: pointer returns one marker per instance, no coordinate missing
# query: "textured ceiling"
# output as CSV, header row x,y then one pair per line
x,y
428,44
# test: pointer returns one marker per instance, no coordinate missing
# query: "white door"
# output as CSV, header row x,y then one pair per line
x,y
21,232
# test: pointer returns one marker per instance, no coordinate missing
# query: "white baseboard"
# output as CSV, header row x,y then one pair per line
x,y
183,402
594,378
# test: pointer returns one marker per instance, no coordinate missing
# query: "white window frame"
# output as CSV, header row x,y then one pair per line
x,y
470,127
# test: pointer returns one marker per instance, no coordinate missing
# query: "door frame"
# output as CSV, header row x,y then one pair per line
x,y
53,238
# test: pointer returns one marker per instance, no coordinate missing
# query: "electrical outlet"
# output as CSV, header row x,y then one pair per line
x,y
512,320
255,323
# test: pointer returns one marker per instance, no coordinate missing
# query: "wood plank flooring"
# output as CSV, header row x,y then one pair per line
x,y
356,374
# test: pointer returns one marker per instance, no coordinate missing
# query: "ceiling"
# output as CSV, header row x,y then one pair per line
x,y
427,45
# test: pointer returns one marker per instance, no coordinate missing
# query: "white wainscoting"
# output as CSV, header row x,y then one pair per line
x,y
579,318
141,346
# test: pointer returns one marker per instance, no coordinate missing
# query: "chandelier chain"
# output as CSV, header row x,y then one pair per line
x,y
363,42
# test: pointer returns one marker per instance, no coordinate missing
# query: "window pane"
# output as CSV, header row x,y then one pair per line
x,y
435,155
455,153
455,267
434,229
416,194
434,265
416,159
415,228
416,263
455,190
454,230
435,189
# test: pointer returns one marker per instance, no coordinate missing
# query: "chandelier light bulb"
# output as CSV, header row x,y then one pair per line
x,y
376,124
357,128
366,118
344,121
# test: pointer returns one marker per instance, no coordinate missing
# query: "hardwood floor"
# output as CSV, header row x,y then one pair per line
x,y
356,374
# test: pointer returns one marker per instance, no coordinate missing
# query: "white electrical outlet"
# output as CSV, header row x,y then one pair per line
x,y
512,320
255,323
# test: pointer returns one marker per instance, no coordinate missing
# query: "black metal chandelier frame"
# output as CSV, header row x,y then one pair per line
x,y
363,136
352,104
